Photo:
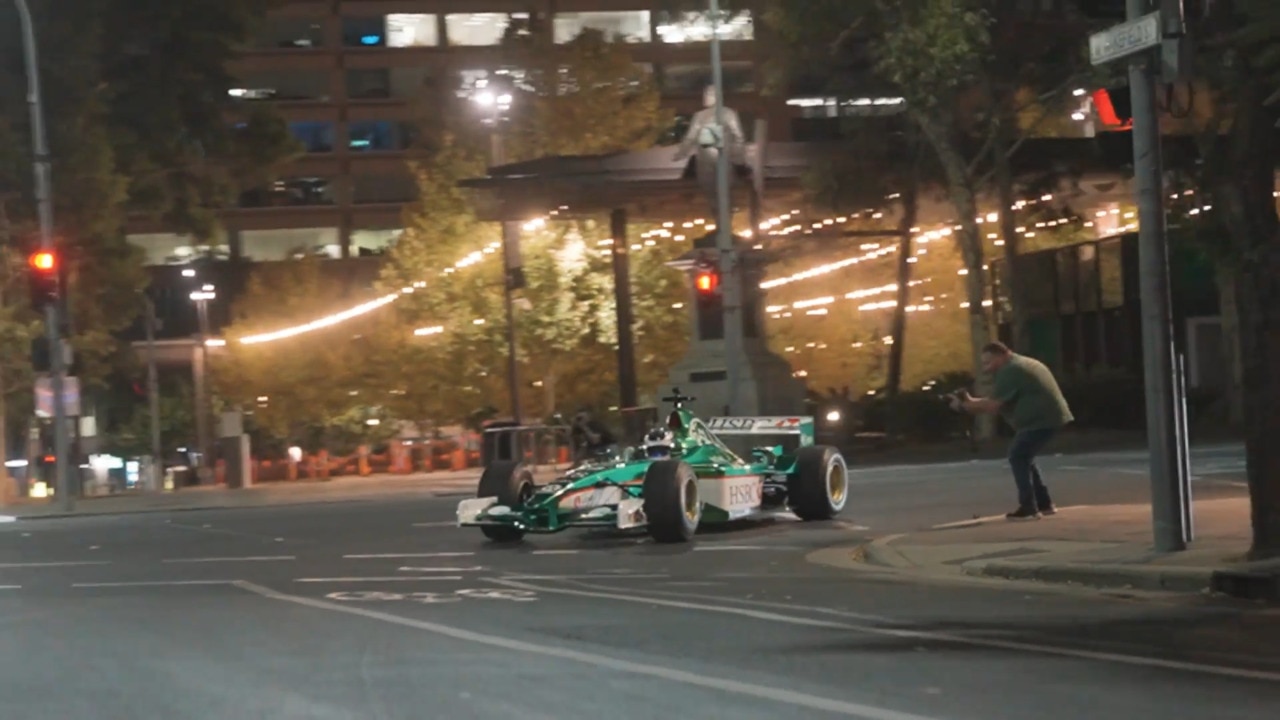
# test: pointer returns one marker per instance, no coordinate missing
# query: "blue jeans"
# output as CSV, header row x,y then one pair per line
x,y
1032,494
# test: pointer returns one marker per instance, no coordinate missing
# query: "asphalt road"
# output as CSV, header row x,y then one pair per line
x,y
383,610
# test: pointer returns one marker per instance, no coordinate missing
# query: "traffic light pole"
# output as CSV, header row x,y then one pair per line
x,y
730,283
44,201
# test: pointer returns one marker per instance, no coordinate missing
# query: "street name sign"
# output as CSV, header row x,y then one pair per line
x,y
1125,39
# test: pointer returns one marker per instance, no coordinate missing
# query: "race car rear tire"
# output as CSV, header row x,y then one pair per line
x,y
672,505
512,483
818,489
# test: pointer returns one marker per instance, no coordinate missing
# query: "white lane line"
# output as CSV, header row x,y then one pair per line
x,y
10,587
556,552
152,583
8,519
588,576
399,556
717,548
395,578
15,566
1040,649
258,558
437,524
778,695
477,568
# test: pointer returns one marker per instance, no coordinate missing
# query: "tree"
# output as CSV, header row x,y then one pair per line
x,y
582,97
1239,146
136,106
302,389
961,68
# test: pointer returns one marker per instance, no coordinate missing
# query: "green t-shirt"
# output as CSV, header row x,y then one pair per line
x,y
1030,398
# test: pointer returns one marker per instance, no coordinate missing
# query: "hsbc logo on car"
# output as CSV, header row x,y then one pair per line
x,y
732,423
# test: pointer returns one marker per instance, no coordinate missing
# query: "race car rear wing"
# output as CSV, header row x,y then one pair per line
x,y
764,426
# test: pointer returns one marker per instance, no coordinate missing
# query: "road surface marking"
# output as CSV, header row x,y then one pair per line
x,y
778,695
714,548
397,556
257,558
744,601
556,552
477,568
152,583
1035,648
10,587
589,576
208,528
14,566
395,578
8,519
440,523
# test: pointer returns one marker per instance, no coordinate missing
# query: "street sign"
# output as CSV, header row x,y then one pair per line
x,y
1125,39
70,396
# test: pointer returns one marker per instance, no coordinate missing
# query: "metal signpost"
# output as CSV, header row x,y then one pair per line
x,y
1136,40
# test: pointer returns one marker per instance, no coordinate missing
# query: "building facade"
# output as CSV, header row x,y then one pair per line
x,y
348,78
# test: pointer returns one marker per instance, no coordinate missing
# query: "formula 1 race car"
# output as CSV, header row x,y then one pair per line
x,y
681,476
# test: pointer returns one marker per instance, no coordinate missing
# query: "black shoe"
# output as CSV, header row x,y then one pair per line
x,y
1050,509
1023,513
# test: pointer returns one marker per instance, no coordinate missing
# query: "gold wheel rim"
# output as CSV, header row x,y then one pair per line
x,y
837,482
692,506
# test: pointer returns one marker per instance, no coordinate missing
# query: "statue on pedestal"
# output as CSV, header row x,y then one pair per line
x,y
705,139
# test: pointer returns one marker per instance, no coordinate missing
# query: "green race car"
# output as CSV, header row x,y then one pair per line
x,y
682,476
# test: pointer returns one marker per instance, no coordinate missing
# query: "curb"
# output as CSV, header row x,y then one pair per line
x,y
881,552
1187,580
200,508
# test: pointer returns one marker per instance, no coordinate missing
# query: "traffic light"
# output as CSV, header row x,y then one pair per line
x,y
1115,111
707,281
44,278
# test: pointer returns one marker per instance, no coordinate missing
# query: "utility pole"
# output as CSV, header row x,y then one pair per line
x,y
44,201
730,282
153,398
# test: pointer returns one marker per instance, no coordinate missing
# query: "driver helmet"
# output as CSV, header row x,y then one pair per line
x,y
659,444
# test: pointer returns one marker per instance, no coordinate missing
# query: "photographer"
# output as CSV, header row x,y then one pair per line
x,y
1028,397
591,439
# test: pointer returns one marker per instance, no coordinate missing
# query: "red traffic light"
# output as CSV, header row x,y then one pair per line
x,y
43,261
707,281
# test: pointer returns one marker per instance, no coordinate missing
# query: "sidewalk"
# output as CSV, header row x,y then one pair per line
x,y
1105,546
299,492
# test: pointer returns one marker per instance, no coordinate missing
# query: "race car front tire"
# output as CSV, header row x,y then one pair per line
x,y
818,489
672,505
512,483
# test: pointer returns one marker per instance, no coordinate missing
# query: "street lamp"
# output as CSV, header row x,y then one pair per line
x,y
201,298
495,98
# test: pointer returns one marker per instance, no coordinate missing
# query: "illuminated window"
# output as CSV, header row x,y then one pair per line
x,y
412,30
695,27
285,244
739,77
473,29
373,242
630,26
170,249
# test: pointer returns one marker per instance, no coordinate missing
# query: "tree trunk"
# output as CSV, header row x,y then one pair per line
x,y
969,238
549,391
1229,310
898,331
1009,232
1250,213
